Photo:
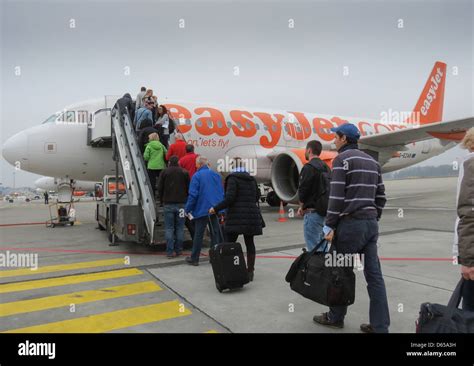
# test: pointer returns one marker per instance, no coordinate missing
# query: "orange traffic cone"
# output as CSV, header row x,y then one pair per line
x,y
282,216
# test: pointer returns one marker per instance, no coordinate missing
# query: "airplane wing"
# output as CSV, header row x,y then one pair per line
x,y
447,130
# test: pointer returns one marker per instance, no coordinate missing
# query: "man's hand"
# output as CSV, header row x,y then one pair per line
x,y
300,211
329,236
467,273
212,211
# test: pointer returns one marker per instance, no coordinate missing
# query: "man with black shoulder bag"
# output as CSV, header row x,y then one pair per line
x,y
357,197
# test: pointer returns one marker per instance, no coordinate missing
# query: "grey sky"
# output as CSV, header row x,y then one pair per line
x,y
280,67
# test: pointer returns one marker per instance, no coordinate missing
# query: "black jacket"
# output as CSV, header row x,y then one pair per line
x,y
241,196
310,184
143,137
173,185
127,102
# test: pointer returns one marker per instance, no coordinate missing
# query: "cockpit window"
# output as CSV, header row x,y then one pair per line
x,y
51,119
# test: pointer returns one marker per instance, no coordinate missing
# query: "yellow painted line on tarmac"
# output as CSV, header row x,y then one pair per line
x,y
212,331
67,280
113,320
81,297
61,267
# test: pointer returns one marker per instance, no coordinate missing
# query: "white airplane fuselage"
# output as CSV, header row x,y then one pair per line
x,y
59,146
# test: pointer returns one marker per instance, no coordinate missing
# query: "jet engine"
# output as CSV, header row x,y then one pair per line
x,y
286,168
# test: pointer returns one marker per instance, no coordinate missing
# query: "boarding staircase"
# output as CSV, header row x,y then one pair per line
x,y
127,153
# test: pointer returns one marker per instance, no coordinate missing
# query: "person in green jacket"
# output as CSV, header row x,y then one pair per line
x,y
155,153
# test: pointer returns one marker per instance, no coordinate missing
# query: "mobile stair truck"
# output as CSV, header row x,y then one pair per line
x,y
127,210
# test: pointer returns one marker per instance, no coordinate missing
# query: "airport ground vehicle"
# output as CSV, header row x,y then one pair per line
x,y
122,220
61,214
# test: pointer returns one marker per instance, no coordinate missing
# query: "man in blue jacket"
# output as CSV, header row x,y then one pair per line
x,y
205,191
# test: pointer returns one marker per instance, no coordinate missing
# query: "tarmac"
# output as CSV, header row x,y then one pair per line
x,y
84,285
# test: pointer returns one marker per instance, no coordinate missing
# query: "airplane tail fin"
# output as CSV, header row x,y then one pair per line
x,y
429,107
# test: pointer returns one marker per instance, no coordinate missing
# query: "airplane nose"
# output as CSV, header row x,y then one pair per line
x,y
15,149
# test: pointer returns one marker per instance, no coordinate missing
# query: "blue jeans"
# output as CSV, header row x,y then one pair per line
x,y
174,227
199,228
360,236
468,295
313,224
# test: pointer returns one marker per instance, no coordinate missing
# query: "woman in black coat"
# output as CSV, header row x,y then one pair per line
x,y
243,215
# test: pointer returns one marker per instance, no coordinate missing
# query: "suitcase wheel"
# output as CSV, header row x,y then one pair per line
x,y
218,287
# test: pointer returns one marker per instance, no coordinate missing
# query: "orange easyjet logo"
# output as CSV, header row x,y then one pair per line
x,y
212,121
431,95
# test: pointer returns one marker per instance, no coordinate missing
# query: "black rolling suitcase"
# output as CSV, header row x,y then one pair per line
x,y
228,265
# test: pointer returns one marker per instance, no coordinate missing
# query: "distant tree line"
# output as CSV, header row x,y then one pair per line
x,y
448,170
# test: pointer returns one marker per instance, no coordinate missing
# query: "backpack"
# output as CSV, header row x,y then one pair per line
x,y
321,199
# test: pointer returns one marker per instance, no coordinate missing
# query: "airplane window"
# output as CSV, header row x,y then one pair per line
x,y
257,126
308,130
51,119
219,124
229,124
239,125
249,126
199,123
188,122
209,124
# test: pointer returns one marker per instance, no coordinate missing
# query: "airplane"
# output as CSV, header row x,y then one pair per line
x,y
76,143
51,184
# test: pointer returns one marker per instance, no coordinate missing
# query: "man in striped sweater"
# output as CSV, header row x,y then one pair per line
x,y
356,200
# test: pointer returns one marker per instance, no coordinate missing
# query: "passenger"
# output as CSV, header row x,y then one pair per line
x,y
313,194
148,97
178,148
155,109
126,104
142,114
205,191
243,216
155,156
146,130
356,201
464,230
46,197
139,100
162,123
188,161
173,186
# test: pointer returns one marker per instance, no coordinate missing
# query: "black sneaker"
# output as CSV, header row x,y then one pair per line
x,y
323,320
191,262
367,328
179,254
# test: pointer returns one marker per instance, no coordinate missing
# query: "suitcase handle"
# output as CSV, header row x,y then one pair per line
x,y
212,228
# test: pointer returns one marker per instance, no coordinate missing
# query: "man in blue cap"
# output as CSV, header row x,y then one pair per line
x,y
356,201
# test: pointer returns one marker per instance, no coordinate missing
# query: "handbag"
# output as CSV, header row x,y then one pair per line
x,y
312,276
435,318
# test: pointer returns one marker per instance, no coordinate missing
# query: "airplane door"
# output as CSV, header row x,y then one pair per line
x,y
101,125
